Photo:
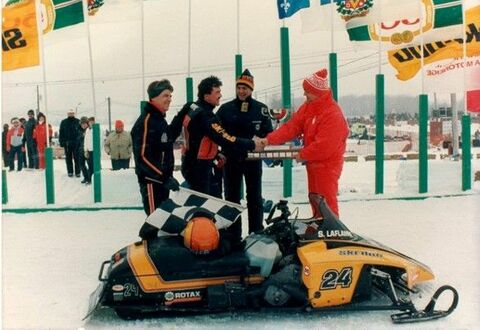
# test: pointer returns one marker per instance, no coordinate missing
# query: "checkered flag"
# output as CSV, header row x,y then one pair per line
x,y
172,215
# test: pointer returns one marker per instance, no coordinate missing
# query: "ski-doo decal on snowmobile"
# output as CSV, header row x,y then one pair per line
x,y
150,279
321,260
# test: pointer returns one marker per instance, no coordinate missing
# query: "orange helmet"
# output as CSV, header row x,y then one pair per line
x,y
201,235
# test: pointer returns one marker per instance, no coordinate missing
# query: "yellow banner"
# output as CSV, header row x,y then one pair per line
x,y
19,36
407,61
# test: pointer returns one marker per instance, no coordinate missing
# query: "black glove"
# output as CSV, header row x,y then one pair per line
x,y
186,108
172,184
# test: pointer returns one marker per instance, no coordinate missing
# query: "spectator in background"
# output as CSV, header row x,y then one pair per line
x,y
81,150
40,138
24,150
4,145
30,142
88,148
15,144
118,146
69,130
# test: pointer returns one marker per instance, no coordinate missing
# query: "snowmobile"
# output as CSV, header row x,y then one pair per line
x,y
314,264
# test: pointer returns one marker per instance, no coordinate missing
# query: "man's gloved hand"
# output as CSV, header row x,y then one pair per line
x,y
172,184
185,109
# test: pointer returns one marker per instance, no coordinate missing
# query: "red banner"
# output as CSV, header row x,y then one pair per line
x,y
473,101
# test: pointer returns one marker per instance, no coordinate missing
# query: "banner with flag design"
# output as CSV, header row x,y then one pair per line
x,y
172,215
407,61
440,17
57,14
350,14
20,47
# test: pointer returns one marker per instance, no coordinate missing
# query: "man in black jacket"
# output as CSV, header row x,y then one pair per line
x,y
32,152
244,117
68,138
202,134
153,140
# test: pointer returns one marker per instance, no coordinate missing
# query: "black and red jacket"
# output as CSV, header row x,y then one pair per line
x,y
153,140
203,134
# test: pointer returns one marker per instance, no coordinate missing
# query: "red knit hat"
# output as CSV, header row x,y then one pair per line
x,y
317,83
118,124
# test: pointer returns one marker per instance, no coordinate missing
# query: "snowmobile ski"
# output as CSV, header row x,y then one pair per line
x,y
429,313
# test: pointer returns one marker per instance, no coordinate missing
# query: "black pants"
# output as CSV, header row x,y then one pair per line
x,y
118,164
71,156
6,158
152,195
32,154
233,174
200,176
19,153
90,170
83,165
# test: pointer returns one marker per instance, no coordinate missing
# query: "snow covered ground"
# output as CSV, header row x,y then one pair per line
x,y
51,259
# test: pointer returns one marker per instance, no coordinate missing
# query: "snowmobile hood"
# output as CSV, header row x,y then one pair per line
x,y
334,240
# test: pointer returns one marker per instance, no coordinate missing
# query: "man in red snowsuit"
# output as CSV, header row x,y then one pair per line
x,y
325,130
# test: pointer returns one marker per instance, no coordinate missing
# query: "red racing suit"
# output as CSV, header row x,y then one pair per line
x,y
325,133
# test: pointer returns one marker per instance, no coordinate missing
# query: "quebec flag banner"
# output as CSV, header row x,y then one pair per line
x,y
172,215
287,8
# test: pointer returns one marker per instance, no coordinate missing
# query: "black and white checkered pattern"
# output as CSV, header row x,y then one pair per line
x,y
173,214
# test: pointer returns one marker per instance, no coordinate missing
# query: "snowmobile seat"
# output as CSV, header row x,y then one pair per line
x,y
175,262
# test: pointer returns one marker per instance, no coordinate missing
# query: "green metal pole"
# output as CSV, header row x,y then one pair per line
x,y
189,82
238,65
423,144
287,103
379,131
332,60
49,177
238,72
4,187
142,105
97,167
466,153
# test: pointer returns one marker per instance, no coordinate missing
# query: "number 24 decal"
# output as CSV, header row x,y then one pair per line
x,y
332,278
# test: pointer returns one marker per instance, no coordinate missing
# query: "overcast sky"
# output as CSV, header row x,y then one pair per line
x,y
117,52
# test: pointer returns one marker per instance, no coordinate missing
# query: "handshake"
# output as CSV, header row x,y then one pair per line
x,y
260,143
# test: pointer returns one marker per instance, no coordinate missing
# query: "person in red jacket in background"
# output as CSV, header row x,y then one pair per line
x,y
40,136
325,130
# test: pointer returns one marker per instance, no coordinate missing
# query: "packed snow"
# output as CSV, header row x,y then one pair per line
x,y
51,259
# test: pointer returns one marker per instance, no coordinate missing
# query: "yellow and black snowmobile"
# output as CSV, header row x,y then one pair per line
x,y
316,264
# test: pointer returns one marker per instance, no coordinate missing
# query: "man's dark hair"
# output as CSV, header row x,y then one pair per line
x,y
206,86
